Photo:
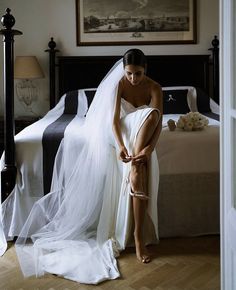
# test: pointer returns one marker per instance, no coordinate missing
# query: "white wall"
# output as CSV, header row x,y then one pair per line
x,y
41,19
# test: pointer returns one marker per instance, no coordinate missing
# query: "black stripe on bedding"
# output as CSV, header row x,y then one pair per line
x,y
53,135
90,95
71,103
212,116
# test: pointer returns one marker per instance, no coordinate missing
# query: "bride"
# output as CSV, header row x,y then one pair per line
x,y
109,197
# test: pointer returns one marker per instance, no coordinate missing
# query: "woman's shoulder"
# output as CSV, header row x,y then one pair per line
x,y
121,84
153,84
122,81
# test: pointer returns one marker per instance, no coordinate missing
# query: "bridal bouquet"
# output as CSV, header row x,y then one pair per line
x,y
189,122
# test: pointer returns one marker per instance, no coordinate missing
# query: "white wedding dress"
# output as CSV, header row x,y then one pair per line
x,y
78,229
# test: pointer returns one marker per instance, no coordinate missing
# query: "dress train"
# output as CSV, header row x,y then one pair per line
x,y
78,229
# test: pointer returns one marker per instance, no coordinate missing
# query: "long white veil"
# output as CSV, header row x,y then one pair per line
x,y
66,232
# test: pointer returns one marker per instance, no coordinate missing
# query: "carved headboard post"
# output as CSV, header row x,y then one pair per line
x,y
215,63
8,174
52,71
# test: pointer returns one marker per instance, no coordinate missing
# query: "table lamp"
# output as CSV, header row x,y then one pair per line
x,y
27,68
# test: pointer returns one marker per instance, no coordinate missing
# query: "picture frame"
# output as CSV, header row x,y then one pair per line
x,y
143,22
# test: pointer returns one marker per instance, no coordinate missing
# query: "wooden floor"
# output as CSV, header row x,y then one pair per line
x,y
177,264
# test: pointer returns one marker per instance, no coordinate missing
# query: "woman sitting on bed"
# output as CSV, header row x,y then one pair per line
x,y
77,229
137,92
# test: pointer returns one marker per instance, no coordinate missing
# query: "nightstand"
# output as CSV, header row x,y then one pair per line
x,y
20,124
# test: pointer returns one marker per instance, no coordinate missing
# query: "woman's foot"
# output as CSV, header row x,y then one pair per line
x,y
141,251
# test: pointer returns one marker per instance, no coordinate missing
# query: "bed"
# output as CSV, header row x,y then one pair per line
x,y
188,198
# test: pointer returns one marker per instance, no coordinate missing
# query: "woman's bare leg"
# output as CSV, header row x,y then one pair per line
x,y
146,131
143,137
139,179
139,210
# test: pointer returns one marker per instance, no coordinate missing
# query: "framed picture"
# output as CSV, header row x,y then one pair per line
x,y
127,22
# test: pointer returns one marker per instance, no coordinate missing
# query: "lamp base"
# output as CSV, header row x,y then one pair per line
x,y
27,93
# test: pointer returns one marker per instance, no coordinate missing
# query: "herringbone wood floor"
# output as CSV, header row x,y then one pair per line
x,y
177,264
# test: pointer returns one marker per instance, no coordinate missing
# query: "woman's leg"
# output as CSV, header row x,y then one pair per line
x,y
146,131
139,210
139,179
143,137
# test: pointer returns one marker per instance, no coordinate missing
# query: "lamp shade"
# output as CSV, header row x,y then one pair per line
x,y
27,67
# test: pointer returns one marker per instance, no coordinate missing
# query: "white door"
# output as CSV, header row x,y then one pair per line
x,y
228,143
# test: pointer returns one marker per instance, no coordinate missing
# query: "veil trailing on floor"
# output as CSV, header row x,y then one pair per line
x,y
61,234
77,229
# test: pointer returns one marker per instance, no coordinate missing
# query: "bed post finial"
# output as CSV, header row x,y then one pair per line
x,y
215,42
52,69
52,44
8,173
215,62
8,20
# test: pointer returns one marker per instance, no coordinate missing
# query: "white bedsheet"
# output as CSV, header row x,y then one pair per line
x,y
29,163
188,152
178,152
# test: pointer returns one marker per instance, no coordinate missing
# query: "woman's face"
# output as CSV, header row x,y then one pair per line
x,y
134,74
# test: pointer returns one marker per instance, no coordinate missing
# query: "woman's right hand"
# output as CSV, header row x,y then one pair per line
x,y
124,155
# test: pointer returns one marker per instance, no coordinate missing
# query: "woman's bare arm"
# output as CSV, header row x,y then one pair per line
x,y
157,103
124,155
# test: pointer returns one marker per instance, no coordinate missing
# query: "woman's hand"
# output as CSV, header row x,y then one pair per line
x,y
124,155
143,156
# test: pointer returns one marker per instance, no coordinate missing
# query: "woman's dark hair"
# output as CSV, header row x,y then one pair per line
x,y
135,57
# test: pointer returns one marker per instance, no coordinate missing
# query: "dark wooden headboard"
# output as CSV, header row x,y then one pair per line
x,y
79,72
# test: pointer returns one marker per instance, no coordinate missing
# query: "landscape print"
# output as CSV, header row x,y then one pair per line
x,y
136,15
136,20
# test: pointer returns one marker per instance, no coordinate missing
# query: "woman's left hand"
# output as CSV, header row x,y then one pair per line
x,y
143,156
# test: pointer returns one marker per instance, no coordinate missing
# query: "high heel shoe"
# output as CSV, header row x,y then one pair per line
x,y
145,259
141,252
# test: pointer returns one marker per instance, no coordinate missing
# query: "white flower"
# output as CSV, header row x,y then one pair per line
x,y
192,121
188,126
